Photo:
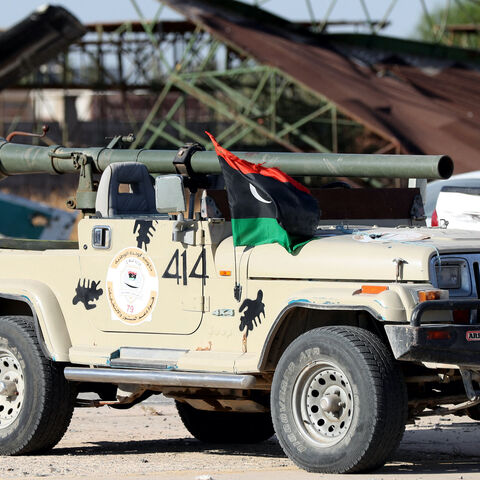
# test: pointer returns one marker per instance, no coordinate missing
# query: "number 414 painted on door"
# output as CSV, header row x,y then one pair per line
x,y
173,267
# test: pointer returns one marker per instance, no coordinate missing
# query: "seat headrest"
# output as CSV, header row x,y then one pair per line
x,y
140,199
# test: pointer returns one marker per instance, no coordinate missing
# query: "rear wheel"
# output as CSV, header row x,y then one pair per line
x,y
338,401
473,412
225,427
36,402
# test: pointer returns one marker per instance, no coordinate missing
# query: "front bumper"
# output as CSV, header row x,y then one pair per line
x,y
438,343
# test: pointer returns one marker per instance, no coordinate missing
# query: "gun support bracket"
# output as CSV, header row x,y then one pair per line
x,y
183,165
86,191
86,194
192,180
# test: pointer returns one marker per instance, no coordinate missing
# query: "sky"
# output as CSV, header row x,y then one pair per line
x,y
404,16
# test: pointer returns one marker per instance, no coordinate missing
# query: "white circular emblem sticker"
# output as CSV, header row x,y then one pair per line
x,y
132,286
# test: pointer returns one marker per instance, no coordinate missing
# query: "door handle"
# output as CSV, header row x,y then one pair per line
x,y
101,236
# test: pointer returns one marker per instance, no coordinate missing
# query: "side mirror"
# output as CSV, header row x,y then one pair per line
x,y
169,194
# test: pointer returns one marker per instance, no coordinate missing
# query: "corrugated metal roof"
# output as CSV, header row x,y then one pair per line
x,y
432,109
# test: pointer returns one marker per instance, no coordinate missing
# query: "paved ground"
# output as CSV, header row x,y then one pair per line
x,y
149,442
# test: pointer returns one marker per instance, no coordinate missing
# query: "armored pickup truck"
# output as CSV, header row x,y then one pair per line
x,y
333,348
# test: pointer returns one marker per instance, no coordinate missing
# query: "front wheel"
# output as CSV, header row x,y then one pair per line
x,y
36,402
338,401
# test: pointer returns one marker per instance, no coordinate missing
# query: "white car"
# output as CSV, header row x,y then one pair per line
x,y
454,203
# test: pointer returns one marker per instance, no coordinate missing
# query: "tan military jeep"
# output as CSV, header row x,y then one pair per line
x,y
333,347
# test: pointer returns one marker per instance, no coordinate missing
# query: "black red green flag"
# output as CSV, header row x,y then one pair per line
x,y
266,205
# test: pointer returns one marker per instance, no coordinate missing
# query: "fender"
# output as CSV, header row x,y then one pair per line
x,y
49,321
385,306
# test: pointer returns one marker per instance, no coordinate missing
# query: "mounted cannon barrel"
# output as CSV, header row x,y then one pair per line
x,y
20,159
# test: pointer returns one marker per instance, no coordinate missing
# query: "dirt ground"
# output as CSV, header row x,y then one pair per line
x,y
150,442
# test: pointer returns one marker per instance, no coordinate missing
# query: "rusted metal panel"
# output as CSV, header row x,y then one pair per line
x,y
422,110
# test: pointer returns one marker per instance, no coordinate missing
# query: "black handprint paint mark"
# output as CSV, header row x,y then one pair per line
x,y
87,292
145,231
253,310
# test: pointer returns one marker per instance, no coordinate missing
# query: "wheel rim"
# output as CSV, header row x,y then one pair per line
x,y
323,403
12,387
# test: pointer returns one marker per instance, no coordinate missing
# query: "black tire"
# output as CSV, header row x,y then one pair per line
x,y
473,412
37,415
225,427
339,402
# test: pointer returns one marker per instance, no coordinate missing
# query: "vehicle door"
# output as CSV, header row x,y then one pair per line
x,y
136,278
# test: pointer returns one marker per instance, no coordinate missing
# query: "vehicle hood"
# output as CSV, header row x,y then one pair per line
x,y
362,255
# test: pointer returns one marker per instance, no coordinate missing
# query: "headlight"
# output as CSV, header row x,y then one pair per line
x,y
452,273
448,276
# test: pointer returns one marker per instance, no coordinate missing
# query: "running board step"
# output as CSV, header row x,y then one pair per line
x,y
146,358
168,378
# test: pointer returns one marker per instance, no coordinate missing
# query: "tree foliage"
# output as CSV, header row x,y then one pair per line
x,y
432,26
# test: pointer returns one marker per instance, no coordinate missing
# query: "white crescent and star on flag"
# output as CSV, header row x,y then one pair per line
x,y
255,193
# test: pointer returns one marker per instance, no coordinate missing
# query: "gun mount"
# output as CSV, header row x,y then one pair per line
x,y
21,159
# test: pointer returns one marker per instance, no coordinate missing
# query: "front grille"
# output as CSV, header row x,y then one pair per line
x,y
472,277
476,277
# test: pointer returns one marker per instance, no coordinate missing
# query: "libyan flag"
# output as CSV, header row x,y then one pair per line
x,y
266,205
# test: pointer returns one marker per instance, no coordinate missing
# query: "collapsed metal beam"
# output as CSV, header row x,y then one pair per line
x,y
35,40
